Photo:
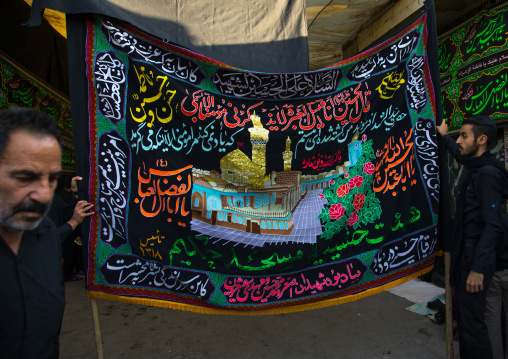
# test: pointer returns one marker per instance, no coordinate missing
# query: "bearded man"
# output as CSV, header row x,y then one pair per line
x,y
477,230
32,292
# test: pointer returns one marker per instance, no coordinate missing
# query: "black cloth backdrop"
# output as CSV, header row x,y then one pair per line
x,y
255,35
78,88
40,50
445,220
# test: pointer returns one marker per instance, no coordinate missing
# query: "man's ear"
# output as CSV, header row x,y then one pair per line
x,y
482,140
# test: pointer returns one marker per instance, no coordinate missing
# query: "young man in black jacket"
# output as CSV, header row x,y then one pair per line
x,y
477,230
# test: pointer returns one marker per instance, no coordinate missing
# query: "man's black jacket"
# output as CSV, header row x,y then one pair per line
x,y
478,213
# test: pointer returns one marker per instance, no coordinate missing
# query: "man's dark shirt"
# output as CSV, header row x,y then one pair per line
x,y
477,218
60,212
67,195
32,295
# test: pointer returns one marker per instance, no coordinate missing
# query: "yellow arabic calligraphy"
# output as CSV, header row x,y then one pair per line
x,y
390,84
163,113
148,244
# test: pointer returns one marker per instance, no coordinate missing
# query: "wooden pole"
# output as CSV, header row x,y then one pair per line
x,y
96,328
448,308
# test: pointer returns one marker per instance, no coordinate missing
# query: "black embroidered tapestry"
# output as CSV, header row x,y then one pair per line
x,y
226,191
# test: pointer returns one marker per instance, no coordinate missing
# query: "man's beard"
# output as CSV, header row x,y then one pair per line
x,y
471,151
7,213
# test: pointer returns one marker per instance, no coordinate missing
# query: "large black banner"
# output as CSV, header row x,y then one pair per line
x,y
225,190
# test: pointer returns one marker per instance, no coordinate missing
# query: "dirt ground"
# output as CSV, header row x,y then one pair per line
x,y
378,326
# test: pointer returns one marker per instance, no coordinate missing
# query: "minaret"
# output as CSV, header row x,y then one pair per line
x,y
258,139
354,149
287,155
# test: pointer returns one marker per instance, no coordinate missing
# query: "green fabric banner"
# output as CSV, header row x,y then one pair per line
x,y
472,66
21,89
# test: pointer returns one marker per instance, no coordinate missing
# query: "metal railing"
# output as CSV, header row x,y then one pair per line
x,y
277,214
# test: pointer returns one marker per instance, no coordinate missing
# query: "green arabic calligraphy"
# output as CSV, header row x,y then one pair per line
x,y
189,248
270,262
414,216
493,32
444,58
209,255
494,95
359,235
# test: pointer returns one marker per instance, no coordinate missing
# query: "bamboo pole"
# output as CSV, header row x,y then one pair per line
x,y
96,328
448,308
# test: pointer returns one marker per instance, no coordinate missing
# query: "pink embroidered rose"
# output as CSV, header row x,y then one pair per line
x,y
342,190
351,183
368,168
332,181
353,218
357,180
358,201
321,196
336,211
364,137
